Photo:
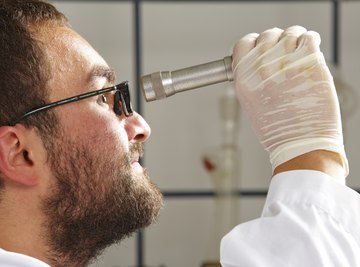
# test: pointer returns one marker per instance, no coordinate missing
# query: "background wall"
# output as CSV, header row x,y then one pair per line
x,y
180,34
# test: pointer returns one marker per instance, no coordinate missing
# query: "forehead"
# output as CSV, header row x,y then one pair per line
x,y
76,65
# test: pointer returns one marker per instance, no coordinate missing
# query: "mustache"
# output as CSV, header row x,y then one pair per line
x,y
137,149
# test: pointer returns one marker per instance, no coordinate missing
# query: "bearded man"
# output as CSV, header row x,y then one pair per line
x,y
71,182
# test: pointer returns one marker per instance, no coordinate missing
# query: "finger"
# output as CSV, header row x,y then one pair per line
x,y
290,36
243,47
310,41
269,38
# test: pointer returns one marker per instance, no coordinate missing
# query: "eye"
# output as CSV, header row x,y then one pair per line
x,y
102,99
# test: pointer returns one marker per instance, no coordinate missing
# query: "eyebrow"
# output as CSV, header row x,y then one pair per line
x,y
103,71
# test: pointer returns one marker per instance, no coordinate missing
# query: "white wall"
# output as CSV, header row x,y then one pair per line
x,y
180,34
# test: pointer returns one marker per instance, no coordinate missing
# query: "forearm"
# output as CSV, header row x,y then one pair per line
x,y
327,162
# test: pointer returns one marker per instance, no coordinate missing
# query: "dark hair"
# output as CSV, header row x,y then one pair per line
x,y
24,67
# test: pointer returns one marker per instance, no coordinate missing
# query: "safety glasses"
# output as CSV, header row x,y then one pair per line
x,y
121,104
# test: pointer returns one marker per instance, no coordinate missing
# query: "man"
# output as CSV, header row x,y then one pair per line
x,y
70,179
71,183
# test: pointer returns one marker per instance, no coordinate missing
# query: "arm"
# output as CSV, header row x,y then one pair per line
x,y
328,162
288,94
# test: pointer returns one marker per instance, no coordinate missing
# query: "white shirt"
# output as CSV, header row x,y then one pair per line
x,y
309,220
12,259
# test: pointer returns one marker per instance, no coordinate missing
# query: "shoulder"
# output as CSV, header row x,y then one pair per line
x,y
12,259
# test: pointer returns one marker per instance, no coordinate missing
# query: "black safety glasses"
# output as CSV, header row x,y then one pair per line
x,y
122,102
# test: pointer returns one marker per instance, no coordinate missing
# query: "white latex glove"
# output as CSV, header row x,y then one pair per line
x,y
288,93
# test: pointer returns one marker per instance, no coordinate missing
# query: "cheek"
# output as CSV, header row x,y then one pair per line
x,y
107,132
114,135
96,128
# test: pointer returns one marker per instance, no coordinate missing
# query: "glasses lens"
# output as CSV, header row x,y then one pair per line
x,y
117,103
122,101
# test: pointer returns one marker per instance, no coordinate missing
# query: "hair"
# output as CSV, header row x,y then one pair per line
x,y
25,70
24,66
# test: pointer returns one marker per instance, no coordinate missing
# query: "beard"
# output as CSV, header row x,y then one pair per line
x,y
96,201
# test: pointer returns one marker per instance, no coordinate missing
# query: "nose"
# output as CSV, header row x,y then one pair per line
x,y
137,128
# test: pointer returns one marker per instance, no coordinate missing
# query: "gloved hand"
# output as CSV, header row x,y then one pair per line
x,y
288,93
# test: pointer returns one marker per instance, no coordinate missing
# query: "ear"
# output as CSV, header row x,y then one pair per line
x,y
16,161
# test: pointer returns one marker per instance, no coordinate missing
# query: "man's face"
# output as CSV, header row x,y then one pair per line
x,y
100,193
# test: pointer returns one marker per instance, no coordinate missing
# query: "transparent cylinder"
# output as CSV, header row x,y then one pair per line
x,y
223,165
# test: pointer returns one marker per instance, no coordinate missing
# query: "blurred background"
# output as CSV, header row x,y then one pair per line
x,y
141,37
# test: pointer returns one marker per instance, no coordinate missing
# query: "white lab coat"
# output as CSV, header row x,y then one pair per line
x,y
12,259
309,220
